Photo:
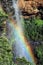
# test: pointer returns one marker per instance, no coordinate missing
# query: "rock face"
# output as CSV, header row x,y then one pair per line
x,y
7,6
31,8
27,7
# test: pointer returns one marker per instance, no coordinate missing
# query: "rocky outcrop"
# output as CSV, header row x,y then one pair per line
x,y
31,8
27,7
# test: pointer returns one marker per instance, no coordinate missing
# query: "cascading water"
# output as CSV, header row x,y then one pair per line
x,y
21,47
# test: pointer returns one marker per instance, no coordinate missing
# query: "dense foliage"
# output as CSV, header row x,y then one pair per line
x,y
33,29
39,54
2,13
22,61
3,18
6,57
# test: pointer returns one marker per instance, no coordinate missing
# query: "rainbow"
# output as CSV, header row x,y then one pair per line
x,y
24,42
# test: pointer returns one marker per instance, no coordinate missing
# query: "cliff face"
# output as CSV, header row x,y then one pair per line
x,y
31,7
27,7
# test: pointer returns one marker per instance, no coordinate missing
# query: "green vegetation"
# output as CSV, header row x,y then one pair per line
x,y
3,18
22,61
39,54
33,29
2,13
6,57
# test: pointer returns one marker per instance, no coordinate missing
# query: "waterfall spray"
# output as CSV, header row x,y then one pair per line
x,y
21,46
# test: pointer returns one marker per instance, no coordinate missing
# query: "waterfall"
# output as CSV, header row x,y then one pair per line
x,y
21,47
18,43
17,13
